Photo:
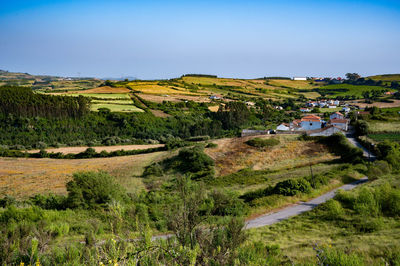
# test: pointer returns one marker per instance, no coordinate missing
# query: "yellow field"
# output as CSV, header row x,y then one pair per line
x,y
153,88
296,84
24,177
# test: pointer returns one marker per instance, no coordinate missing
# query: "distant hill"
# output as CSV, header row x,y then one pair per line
x,y
47,82
386,77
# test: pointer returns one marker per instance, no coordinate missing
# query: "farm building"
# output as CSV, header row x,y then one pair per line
x,y
311,122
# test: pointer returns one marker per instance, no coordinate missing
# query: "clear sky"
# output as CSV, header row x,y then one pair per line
x,y
165,39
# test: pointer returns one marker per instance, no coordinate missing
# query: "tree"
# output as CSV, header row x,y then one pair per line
x,y
361,127
93,189
394,85
352,76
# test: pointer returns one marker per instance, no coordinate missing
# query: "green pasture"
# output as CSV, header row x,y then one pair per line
x,y
378,126
116,107
347,89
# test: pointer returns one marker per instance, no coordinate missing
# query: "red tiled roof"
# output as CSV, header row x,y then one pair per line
x,y
311,118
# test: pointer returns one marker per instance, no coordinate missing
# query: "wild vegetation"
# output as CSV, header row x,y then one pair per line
x,y
197,189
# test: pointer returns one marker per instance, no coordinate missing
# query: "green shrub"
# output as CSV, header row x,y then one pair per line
x,y
378,169
317,180
93,189
366,203
50,202
227,203
154,169
329,256
211,145
292,187
333,210
29,214
260,143
194,160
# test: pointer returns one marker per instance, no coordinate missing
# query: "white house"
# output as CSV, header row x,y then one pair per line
x,y
311,122
283,127
346,109
299,78
336,102
332,106
214,97
326,131
305,110
340,123
336,115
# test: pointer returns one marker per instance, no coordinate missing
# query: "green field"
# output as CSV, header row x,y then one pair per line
x,y
116,107
347,89
99,95
385,136
376,126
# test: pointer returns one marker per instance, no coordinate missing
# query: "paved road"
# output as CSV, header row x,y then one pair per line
x,y
367,153
297,209
288,212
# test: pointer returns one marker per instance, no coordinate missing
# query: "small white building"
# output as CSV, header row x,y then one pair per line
x,y
283,127
332,106
311,122
340,123
346,109
250,103
299,78
305,110
326,131
214,97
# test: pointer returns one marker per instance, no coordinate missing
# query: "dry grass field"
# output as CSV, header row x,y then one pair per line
x,y
296,84
174,98
24,177
234,154
361,104
105,89
66,150
153,88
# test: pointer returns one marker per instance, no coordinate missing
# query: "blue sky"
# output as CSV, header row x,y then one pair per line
x,y
164,39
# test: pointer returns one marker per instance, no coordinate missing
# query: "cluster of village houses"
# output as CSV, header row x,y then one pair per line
x,y
324,104
315,126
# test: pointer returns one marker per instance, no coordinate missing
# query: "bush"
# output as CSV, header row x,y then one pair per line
x,y
93,189
40,145
153,170
333,209
338,258
292,187
50,202
317,180
260,143
227,203
194,160
378,169
211,145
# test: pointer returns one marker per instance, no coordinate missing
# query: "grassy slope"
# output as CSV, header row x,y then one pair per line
x,y
298,236
356,90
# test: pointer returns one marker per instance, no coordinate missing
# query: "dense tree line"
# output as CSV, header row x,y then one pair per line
x,y
22,101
